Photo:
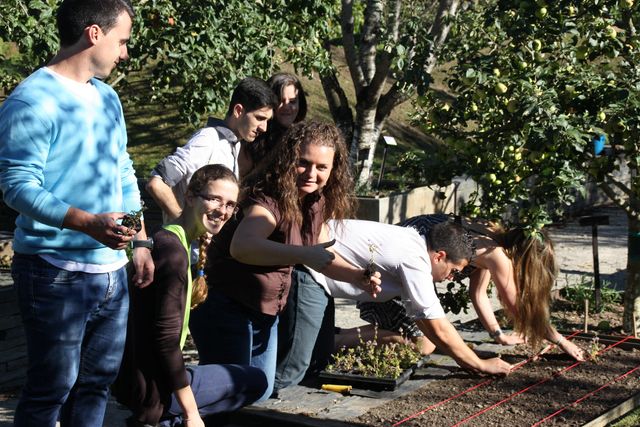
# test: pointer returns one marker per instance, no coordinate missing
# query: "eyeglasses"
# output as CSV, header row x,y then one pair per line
x,y
216,203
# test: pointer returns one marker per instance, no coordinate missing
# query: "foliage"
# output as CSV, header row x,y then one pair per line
x,y
456,298
534,84
374,360
577,293
197,51
28,27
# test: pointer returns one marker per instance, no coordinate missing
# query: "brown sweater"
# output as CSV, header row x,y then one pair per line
x,y
261,288
152,367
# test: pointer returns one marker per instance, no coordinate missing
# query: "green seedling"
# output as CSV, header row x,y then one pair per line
x,y
594,348
371,359
133,219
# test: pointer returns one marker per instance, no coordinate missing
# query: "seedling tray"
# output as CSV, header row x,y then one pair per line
x,y
371,383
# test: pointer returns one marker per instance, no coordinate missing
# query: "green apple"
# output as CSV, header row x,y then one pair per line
x,y
512,106
611,32
474,107
601,116
492,177
571,11
626,4
496,72
501,88
523,65
541,13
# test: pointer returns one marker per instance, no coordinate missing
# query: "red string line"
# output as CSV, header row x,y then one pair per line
x,y
515,367
586,396
557,374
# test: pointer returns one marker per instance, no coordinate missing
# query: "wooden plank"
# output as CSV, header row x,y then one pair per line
x,y
633,343
615,413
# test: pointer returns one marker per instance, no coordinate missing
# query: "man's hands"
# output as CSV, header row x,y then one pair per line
x,y
371,281
102,227
495,366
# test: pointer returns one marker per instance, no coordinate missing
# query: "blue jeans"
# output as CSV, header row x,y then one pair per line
x,y
226,332
75,325
298,331
218,389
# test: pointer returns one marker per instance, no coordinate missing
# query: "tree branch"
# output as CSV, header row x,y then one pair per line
x,y
370,37
616,198
440,29
384,59
349,44
338,104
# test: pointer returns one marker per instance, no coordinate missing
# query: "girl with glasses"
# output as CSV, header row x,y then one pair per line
x,y
154,381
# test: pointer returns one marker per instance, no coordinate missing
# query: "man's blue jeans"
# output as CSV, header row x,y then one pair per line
x,y
75,325
300,343
226,332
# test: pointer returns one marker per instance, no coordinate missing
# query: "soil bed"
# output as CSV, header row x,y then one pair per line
x,y
555,391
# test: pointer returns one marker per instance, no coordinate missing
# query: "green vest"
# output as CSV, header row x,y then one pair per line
x,y
179,231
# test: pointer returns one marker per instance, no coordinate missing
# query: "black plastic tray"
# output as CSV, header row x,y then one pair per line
x,y
371,383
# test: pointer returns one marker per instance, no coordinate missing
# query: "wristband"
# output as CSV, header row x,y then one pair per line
x,y
559,340
142,243
495,334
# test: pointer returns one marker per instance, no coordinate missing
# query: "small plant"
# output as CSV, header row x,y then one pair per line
x,y
594,348
133,219
577,293
375,360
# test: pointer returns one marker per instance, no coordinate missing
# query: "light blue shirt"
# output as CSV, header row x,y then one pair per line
x,y
60,148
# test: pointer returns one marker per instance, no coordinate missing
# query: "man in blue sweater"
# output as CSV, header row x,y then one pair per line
x,y
65,169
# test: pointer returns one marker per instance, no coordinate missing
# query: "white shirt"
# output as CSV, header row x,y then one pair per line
x,y
401,258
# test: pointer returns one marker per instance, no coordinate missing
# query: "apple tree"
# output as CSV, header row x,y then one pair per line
x,y
536,87
390,48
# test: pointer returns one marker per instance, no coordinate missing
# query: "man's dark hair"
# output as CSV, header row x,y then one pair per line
x,y
75,15
252,93
451,238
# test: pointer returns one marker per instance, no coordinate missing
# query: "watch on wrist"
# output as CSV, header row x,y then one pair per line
x,y
495,334
148,243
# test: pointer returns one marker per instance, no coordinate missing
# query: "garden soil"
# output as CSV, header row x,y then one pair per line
x,y
538,389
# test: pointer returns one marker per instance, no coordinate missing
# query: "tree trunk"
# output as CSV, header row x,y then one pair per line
x,y
632,289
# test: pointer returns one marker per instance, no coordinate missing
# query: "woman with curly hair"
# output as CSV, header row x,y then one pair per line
x,y
287,201
153,380
523,269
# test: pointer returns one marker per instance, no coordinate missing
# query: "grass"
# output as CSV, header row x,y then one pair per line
x,y
632,419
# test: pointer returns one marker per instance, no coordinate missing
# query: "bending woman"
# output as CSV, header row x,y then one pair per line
x,y
153,380
523,270
304,181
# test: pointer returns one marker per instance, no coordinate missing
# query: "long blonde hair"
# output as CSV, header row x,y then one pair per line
x,y
534,271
